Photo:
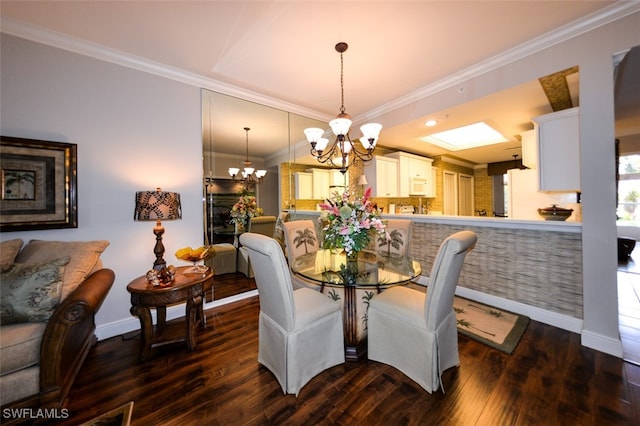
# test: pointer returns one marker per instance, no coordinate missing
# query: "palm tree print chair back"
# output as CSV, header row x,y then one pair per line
x,y
300,238
396,240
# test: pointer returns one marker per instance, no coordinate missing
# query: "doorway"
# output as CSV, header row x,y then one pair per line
x,y
465,195
458,194
450,196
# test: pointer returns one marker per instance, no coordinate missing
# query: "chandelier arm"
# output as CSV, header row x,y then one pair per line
x,y
327,153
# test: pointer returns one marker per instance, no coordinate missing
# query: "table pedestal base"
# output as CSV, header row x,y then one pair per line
x,y
355,305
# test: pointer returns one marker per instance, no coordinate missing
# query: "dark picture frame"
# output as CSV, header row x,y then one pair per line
x,y
39,184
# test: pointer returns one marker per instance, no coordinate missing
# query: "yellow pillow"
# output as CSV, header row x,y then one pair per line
x,y
8,252
83,256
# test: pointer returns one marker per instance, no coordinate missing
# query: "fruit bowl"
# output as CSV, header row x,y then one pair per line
x,y
555,213
195,256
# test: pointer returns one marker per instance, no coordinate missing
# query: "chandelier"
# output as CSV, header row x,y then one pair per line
x,y
248,175
343,152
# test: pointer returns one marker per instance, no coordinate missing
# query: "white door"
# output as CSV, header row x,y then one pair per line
x,y
465,195
450,198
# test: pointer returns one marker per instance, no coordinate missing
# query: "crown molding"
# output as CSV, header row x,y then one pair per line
x,y
588,23
597,19
114,56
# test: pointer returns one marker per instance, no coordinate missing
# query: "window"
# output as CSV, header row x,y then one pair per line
x,y
629,191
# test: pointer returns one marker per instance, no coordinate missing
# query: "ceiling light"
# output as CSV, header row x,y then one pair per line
x,y
343,152
431,123
248,171
471,136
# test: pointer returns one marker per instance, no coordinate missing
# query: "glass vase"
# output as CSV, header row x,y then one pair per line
x,y
239,227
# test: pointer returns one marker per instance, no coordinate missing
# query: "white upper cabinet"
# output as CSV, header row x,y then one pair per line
x,y
324,182
382,176
304,186
558,136
414,174
321,179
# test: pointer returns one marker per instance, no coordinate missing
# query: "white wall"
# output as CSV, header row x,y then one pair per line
x,y
134,131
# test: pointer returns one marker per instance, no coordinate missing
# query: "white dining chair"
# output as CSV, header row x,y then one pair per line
x,y
300,331
417,333
265,225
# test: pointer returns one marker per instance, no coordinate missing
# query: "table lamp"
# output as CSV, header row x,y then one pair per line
x,y
157,205
362,181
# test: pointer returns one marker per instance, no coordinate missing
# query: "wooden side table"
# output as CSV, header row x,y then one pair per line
x,y
188,287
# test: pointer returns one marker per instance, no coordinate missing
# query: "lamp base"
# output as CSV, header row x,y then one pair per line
x,y
158,250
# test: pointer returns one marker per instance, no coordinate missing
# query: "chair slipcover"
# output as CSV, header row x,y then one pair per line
x,y
399,231
300,331
300,238
264,225
414,332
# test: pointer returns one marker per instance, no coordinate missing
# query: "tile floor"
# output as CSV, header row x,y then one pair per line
x,y
629,307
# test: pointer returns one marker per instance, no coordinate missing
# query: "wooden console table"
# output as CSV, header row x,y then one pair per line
x,y
189,287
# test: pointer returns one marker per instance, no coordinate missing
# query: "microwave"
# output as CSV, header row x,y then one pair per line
x,y
418,186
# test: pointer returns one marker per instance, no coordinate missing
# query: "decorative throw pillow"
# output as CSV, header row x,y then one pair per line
x,y
30,293
83,256
8,252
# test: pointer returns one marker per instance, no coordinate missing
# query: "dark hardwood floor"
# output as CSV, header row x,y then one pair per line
x,y
550,379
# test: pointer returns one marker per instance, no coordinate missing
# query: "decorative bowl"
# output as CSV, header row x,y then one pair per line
x,y
555,213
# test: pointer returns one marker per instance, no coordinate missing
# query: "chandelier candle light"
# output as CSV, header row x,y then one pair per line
x,y
343,152
247,172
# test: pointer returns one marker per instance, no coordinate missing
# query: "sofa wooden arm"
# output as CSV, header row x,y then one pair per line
x,y
69,335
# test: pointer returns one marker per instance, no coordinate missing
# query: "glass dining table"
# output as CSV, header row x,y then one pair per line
x,y
353,285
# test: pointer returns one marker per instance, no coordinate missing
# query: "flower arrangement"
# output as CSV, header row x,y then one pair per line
x,y
245,208
349,223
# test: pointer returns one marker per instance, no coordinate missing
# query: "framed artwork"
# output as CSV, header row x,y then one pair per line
x,y
39,184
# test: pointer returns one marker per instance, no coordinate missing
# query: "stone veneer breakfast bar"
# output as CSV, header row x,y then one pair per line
x,y
530,267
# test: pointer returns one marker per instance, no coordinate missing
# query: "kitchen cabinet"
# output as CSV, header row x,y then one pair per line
x,y
304,185
558,136
414,174
382,175
321,179
327,181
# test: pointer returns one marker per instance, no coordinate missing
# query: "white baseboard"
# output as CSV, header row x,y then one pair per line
x,y
123,326
602,343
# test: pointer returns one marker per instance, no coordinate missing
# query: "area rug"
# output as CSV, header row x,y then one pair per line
x,y
120,416
494,327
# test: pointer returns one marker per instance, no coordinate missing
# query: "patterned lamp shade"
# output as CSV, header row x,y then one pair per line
x,y
154,205
157,205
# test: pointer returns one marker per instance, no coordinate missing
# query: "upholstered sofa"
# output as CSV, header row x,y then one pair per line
x,y
51,291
